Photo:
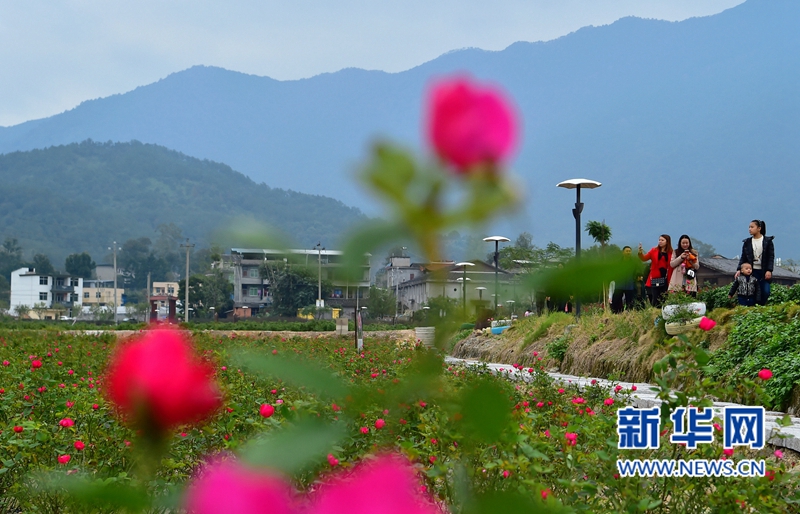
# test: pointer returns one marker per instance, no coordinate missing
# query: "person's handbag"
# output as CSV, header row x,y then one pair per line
x,y
660,281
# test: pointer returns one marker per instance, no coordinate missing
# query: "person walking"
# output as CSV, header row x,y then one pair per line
x,y
684,263
626,286
758,250
660,270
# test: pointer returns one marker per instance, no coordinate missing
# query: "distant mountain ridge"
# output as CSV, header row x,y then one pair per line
x,y
692,126
80,197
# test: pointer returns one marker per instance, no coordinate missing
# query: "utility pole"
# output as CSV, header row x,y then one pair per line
x,y
114,247
147,318
186,301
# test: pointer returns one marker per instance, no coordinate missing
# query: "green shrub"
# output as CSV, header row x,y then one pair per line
x,y
557,348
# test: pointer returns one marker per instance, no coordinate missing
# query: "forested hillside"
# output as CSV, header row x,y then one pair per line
x,y
81,197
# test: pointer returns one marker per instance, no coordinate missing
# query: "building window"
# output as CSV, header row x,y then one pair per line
x,y
171,290
43,296
252,273
97,295
73,297
253,291
73,282
86,294
42,281
59,281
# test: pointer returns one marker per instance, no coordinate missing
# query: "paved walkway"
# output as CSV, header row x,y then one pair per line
x,y
644,396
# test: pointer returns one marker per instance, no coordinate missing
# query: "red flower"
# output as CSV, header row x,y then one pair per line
x,y
546,493
608,401
364,430
95,406
380,423
63,459
66,422
18,429
707,323
770,474
36,364
266,410
765,374
333,461
79,445
227,486
571,437
159,380
470,125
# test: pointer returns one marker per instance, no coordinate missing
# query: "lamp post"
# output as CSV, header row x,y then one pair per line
x,y
464,291
511,306
480,289
464,284
577,184
320,302
497,240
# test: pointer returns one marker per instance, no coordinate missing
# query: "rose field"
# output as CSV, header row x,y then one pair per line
x,y
316,419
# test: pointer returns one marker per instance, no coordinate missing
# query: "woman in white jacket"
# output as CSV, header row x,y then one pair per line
x,y
685,263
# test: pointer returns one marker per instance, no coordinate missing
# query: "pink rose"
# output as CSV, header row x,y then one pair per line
x,y
380,423
707,323
388,484
470,125
63,459
161,382
266,410
227,486
765,374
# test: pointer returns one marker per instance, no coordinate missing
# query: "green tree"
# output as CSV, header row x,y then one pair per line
x,y
10,257
295,287
41,263
381,302
704,250
599,231
22,311
79,265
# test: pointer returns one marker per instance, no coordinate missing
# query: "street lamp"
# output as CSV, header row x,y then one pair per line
x,y
511,307
577,184
497,240
185,307
480,289
320,302
464,283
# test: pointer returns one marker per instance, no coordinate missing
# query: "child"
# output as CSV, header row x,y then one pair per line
x,y
745,286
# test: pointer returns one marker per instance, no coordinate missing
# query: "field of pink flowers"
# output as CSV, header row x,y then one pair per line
x,y
306,424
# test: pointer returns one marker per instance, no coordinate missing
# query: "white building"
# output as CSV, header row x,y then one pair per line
x,y
57,292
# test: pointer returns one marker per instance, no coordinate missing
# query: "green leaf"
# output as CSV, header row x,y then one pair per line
x,y
784,421
511,502
293,448
486,411
701,356
98,493
292,372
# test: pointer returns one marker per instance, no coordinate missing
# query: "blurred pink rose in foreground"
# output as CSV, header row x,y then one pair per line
x,y
387,484
707,323
470,124
161,382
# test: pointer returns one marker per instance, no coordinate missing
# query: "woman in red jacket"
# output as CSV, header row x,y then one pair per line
x,y
660,270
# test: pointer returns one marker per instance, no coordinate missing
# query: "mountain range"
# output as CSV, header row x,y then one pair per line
x,y
691,126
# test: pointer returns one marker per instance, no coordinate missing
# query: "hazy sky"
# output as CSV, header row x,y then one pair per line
x,y
55,54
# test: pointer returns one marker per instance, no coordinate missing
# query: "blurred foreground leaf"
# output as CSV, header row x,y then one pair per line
x,y
485,411
291,371
583,278
292,449
102,494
